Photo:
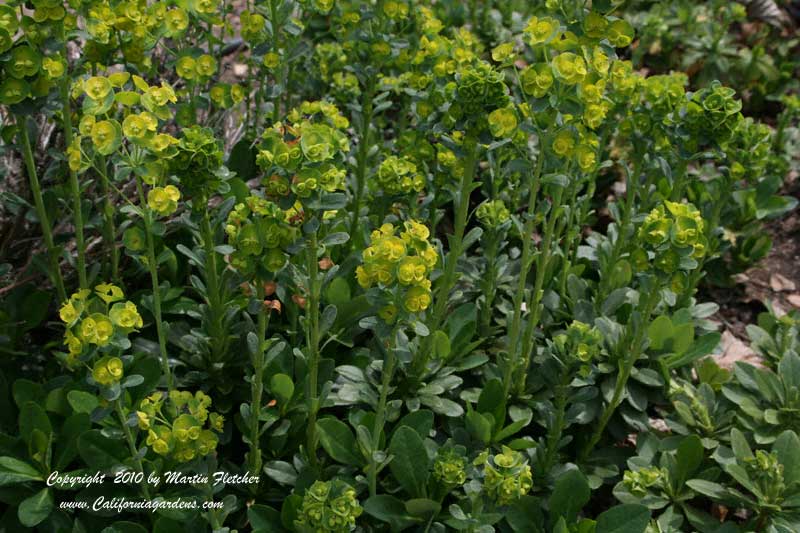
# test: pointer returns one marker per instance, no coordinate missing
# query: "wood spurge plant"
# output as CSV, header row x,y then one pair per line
x,y
378,265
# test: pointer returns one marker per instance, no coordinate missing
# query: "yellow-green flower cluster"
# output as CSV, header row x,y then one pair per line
x,y
637,482
108,370
580,342
399,175
714,113
506,476
766,472
307,151
105,97
199,68
449,468
94,319
402,262
492,213
503,122
163,200
259,231
673,232
180,425
328,507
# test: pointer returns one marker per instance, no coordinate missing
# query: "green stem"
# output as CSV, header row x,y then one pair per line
x,y
109,229
542,266
557,429
387,372
490,281
626,366
525,264
75,187
363,153
622,231
257,386
312,342
131,444
213,296
456,240
153,267
41,211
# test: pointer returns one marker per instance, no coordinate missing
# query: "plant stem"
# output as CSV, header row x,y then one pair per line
x,y
153,267
75,187
489,281
131,444
312,343
363,153
557,429
622,230
387,372
456,240
542,266
525,265
41,211
626,366
109,230
257,386
213,296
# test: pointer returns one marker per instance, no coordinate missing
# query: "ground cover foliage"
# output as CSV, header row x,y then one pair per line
x,y
393,266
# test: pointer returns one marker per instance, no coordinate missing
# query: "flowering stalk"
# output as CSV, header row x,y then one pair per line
x,y
213,296
41,212
387,371
312,343
489,280
363,153
109,230
257,385
557,428
153,267
75,187
525,264
636,348
455,241
631,189
535,303
123,420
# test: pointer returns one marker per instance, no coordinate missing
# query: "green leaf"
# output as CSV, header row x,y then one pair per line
x,y
99,452
659,331
741,449
420,421
264,518
82,402
35,509
480,426
789,369
391,510
570,494
525,515
700,348
787,447
12,471
689,457
338,441
410,465
282,386
441,345
33,417
338,292
423,507
492,400
124,527
715,491
627,518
